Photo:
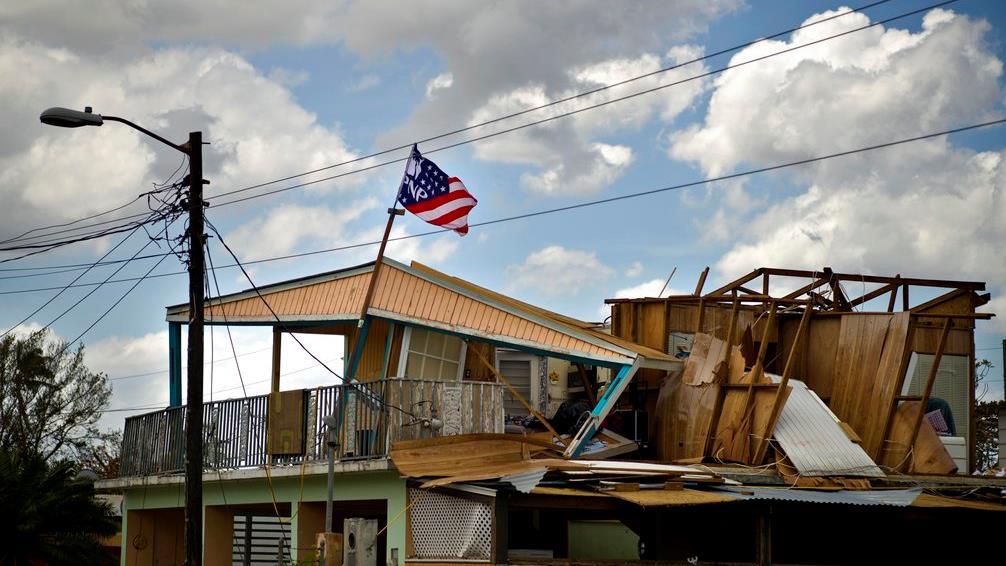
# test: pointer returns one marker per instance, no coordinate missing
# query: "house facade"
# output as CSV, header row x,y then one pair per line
x,y
634,455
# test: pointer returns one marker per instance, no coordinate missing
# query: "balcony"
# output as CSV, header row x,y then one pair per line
x,y
236,431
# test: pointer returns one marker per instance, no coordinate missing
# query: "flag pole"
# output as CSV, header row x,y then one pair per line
x,y
364,322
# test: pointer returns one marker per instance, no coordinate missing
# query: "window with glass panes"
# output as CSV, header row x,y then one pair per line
x,y
433,355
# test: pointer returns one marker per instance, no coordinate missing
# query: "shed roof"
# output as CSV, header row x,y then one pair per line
x,y
422,296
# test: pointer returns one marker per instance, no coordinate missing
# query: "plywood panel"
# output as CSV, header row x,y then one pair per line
x,y
868,363
286,423
928,456
475,370
682,419
926,339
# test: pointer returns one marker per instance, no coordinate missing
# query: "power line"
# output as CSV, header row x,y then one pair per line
x,y
370,395
563,100
558,101
65,288
230,337
157,187
164,371
576,111
116,303
585,204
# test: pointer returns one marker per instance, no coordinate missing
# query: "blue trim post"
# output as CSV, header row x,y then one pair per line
x,y
174,364
604,406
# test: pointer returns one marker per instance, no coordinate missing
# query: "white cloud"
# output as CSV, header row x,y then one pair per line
x,y
441,81
255,128
282,229
868,87
649,288
289,228
634,270
366,82
556,270
567,153
930,209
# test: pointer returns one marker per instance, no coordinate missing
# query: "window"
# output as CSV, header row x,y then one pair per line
x,y
433,355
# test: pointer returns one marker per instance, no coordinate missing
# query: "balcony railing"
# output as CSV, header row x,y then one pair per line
x,y
374,415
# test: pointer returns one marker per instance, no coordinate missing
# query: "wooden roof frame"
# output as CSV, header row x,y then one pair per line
x,y
739,289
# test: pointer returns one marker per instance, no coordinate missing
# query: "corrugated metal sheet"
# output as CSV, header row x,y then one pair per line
x,y
810,435
886,497
524,482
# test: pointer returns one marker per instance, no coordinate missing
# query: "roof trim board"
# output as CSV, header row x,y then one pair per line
x,y
560,324
505,341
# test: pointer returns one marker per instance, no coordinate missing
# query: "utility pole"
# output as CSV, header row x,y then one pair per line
x,y
67,118
194,389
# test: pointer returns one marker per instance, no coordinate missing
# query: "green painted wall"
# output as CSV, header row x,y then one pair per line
x,y
385,485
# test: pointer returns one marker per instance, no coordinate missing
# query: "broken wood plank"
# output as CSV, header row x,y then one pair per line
x,y
764,435
541,418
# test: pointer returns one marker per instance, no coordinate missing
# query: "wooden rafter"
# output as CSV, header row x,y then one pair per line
x,y
738,282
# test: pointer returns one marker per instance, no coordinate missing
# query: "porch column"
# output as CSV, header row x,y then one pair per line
x,y
277,343
174,364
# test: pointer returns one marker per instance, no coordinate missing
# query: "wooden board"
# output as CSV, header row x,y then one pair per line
x,y
475,370
286,423
929,456
682,419
867,371
745,413
815,356
704,361
461,454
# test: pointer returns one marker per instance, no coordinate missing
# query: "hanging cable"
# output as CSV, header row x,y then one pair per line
x,y
559,209
566,99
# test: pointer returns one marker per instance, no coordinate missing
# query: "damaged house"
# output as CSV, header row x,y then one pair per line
x,y
738,425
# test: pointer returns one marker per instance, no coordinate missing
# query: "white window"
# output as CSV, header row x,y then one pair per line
x,y
427,354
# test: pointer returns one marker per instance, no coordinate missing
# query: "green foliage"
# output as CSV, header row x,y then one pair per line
x,y
48,517
986,421
50,402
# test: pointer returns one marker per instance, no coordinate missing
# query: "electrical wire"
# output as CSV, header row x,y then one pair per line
x,y
164,371
230,338
567,99
578,110
561,100
566,208
370,395
65,288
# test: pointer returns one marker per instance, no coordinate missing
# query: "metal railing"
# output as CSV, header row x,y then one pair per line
x,y
374,415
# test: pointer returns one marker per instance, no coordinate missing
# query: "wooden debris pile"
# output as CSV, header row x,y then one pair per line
x,y
525,462
724,407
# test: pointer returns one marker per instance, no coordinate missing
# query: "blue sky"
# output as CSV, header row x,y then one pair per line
x,y
308,84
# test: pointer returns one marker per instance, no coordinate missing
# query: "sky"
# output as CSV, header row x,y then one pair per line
x,y
297,85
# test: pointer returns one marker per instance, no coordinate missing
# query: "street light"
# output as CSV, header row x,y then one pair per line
x,y
67,118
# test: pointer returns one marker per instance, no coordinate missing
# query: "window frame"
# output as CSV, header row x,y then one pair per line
x,y
403,357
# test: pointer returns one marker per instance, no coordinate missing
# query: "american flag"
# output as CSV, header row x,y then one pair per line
x,y
430,194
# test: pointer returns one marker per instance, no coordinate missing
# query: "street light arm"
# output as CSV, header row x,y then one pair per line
x,y
181,148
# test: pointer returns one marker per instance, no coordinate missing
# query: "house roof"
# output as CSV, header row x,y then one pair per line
x,y
420,295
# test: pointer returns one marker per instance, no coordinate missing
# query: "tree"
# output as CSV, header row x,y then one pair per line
x,y
50,402
986,421
47,516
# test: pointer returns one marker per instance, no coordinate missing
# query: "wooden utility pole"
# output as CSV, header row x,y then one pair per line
x,y
194,389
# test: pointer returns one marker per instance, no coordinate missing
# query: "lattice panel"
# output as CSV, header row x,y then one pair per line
x,y
448,527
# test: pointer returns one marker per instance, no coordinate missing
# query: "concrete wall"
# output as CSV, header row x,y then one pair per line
x,y
161,506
